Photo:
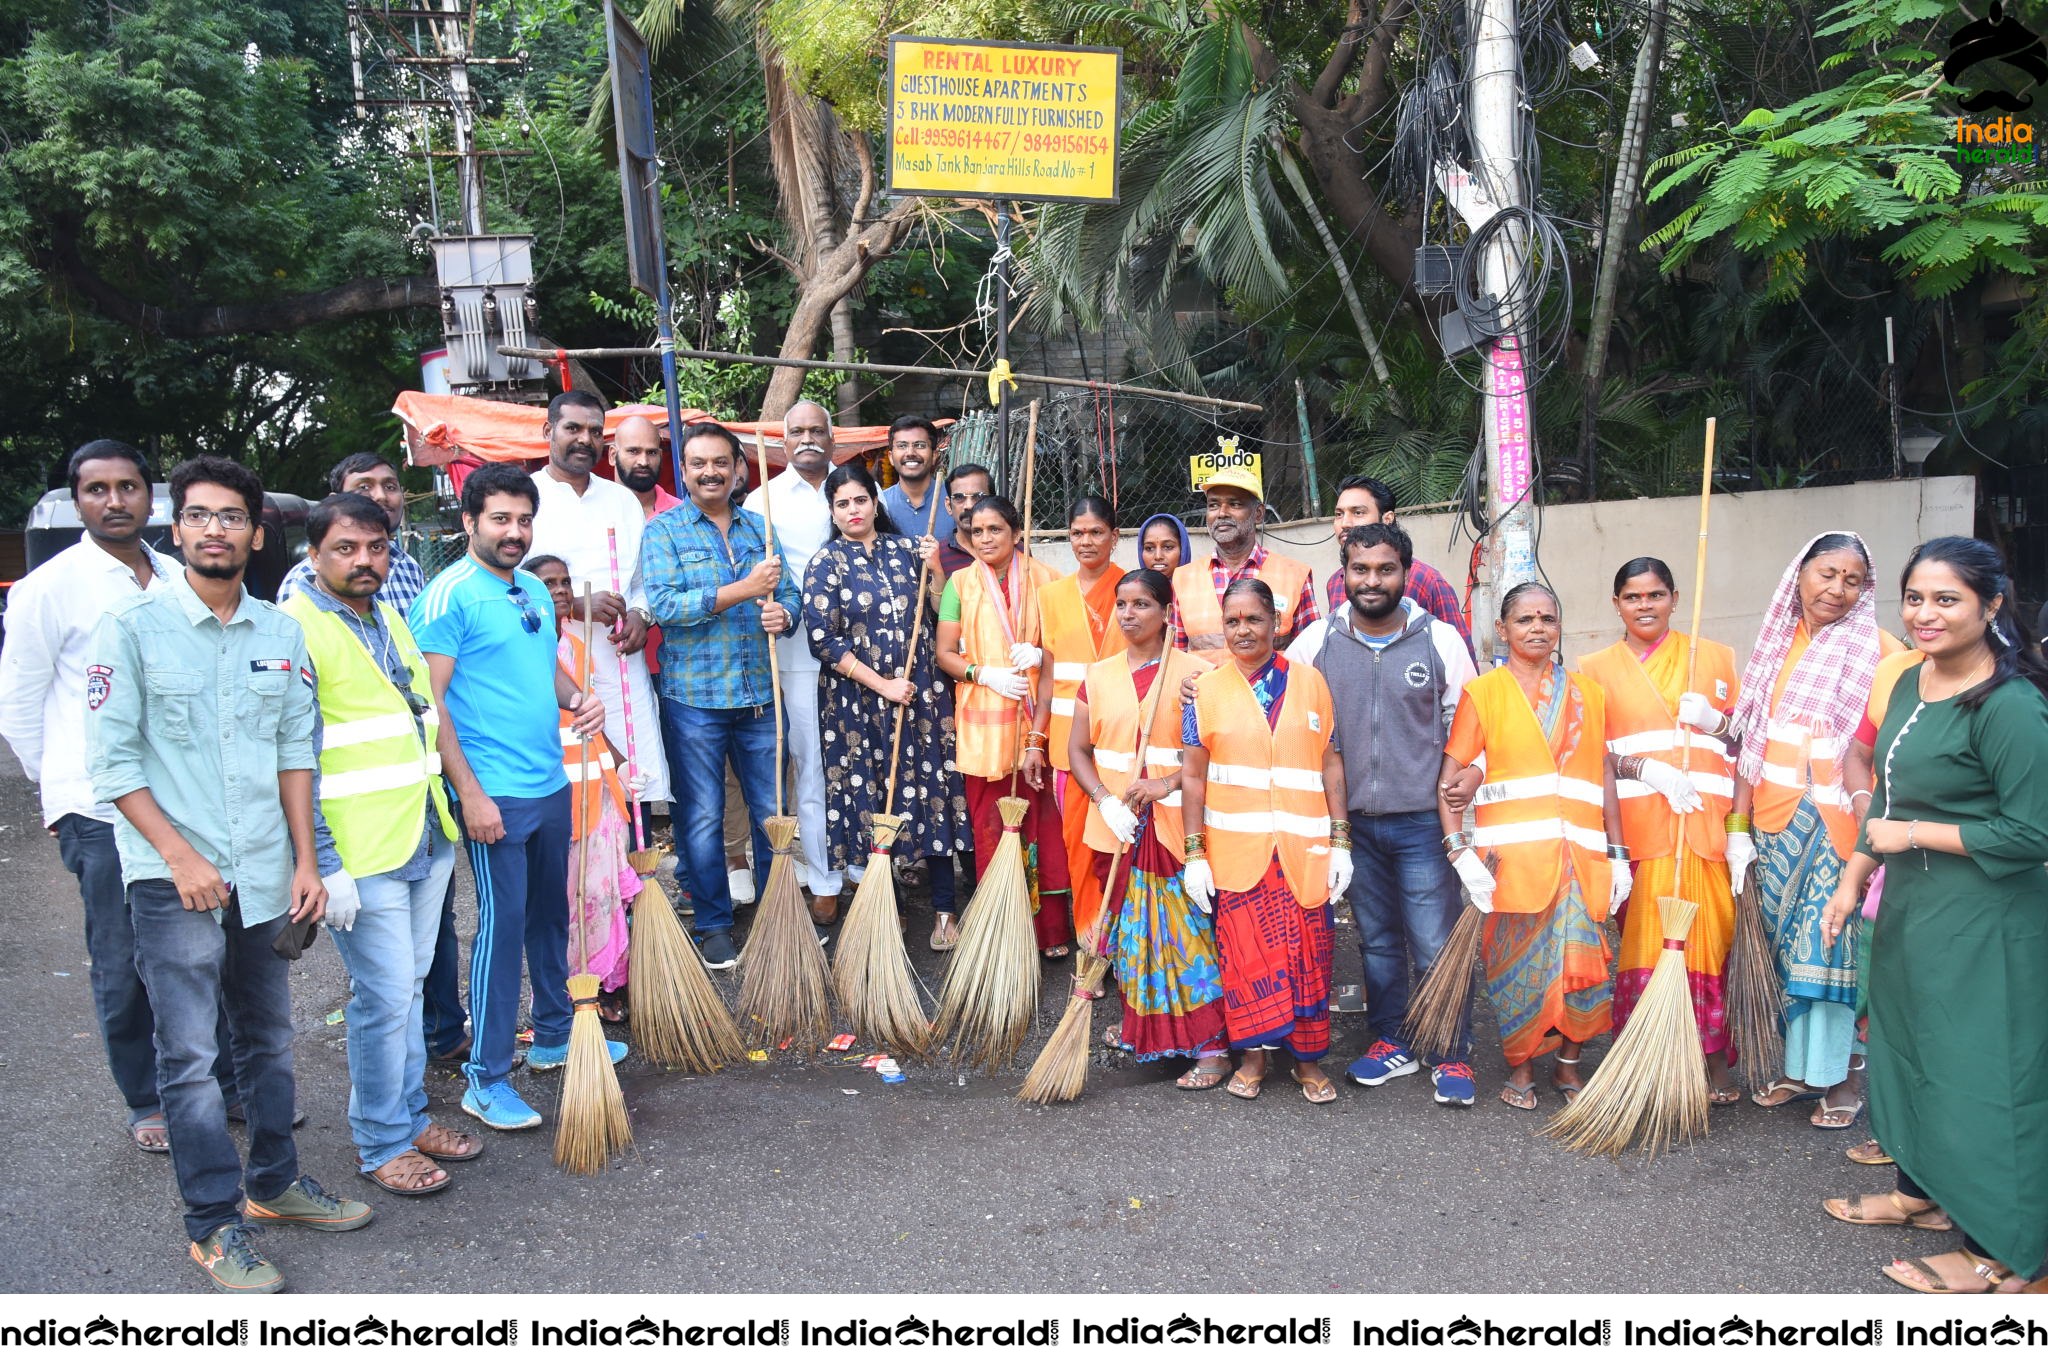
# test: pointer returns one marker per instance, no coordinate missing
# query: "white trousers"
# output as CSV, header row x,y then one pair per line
x,y
807,780
646,737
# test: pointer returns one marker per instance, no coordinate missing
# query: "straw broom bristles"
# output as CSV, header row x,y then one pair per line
x,y
1651,1089
783,979
679,1019
1756,1000
593,1123
1061,1069
1437,1012
871,969
990,997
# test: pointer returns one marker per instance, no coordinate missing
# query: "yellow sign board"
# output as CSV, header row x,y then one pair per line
x,y
970,118
1241,469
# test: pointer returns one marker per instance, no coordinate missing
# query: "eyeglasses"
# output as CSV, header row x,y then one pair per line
x,y
528,618
231,519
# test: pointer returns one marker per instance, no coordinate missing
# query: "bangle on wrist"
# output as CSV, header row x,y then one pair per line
x,y
1860,792
1617,852
1913,835
1736,825
970,674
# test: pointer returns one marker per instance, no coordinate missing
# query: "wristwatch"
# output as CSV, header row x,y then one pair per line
x,y
646,617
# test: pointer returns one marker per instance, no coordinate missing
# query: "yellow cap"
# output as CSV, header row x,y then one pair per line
x,y
1227,468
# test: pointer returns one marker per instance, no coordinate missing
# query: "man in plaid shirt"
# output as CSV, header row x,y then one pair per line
x,y
1362,499
372,475
715,591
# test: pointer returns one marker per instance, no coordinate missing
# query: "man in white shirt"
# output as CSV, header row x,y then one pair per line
x,y
798,512
46,685
577,511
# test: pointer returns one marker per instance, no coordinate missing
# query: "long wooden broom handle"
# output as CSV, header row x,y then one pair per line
x,y
582,789
1102,926
1692,653
1027,600
924,569
768,532
611,536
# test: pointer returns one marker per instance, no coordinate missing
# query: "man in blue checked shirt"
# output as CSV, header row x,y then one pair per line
x,y
717,595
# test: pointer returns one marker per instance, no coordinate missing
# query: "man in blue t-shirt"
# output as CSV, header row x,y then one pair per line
x,y
488,632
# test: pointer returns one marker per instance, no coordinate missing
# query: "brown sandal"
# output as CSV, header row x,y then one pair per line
x,y
946,932
444,1145
1864,1210
410,1174
1989,1274
1316,1091
1870,1154
1200,1079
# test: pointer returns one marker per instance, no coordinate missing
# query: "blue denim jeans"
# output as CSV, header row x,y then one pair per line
x,y
127,1026
441,1008
387,952
1404,895
522,903
196,971
700,741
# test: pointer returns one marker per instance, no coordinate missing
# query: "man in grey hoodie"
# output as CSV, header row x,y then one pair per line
x,y
1395,674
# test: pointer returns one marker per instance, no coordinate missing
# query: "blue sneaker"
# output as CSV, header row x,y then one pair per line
x,y
499,1107
1455,1085
1383,1062
543,1058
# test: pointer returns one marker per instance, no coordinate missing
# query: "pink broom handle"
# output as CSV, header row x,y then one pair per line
x,y
611,536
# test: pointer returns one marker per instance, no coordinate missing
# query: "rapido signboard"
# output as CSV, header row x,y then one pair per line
x,y
970,118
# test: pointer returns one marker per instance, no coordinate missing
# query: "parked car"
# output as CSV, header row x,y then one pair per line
x,y
53,524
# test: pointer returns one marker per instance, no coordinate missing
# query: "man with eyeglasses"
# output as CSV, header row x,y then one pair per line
x,y
487,630
914,452
965,485
199,729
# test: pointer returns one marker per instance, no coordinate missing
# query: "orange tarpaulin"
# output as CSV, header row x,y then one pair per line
x,y
462,432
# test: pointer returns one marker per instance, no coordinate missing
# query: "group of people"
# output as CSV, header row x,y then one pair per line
x,y
1213,755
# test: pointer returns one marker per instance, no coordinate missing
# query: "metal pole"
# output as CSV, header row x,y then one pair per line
x,y
1308,449
469,176
1891,371
1507,427
1003,327
664,323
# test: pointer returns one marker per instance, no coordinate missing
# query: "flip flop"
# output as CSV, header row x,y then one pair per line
x,y
158,1132
1821,1113
1244,1087
1206,1080
1727,1096
1870,1154
1317,1092
946,932
1509,1091
1770,1099
1865,1210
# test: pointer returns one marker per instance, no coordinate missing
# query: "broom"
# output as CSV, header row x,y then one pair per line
x,y
678,1017
1437,1012
1756,999
1061,1070
783,978
1652,1086
990,997
872,968
593,1123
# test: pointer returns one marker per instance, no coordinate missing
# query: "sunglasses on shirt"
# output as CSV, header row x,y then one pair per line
x,y
527,616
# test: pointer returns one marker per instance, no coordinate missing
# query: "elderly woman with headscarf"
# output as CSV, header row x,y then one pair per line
x,y
1802,697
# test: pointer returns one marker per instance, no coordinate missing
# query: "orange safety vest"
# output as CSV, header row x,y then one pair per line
x,y
1265,785
1642,720
1070,641
1201,610
1529,811
989,728
1797,762
1113,715
583,779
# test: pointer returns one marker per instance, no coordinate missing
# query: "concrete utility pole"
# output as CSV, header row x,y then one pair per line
x,y
1494,105
469,175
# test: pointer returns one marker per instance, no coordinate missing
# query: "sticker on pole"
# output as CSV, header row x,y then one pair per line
x,y
975,119
1227,465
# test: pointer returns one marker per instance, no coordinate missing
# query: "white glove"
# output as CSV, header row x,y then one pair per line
x,y
1695,711
1199,886
1624,883
1121,820
343,902
1741,854
638,781
1340,872
1476,877
1024,655
1007,682
1674,784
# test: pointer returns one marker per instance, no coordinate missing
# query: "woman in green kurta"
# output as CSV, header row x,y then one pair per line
x,y
1958,1015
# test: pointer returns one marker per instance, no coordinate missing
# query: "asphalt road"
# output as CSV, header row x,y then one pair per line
x,y
797,1176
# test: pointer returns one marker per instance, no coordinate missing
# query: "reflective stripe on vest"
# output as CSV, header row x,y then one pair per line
x,y
1113,715
1070,648
988,727
1642,724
